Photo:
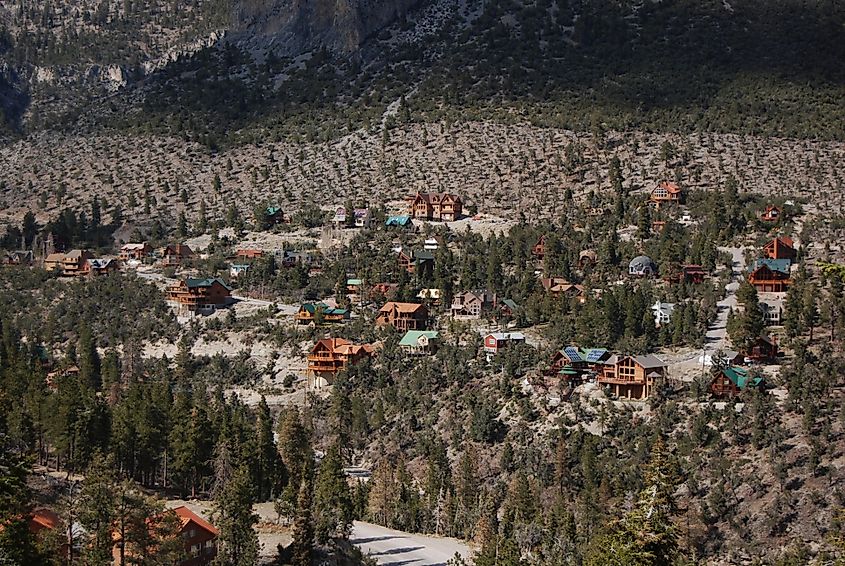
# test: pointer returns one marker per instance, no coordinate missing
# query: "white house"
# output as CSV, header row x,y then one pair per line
x,y
662,313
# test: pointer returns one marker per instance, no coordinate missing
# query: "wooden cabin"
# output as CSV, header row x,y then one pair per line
x,y
772,213
175,254
435,206
420,342
731,381
764,350
631,377
330,355
69,264
312,312
134,252
781,247
770,275
200,294
665,192
539,249
403,316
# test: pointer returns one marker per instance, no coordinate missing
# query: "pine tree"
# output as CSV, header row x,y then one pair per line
x,y
295,448
238,541
646,535
269,469
97,510
88,359
17,544
333,512
302,546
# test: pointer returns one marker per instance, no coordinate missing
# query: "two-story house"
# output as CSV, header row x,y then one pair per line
x,y
331,355
403,316
199,295
435,206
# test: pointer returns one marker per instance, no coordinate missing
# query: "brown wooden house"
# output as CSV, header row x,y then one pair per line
x,y
665,192
176,254
539,249
731,381
403,316
200,294
772,213
631,377
764,350
136,252
198,536
781,247
102,266
312,312
435,206
249,254
331,355
69,264
770,275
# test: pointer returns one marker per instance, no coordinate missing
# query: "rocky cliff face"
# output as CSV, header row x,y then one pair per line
x,y
291,27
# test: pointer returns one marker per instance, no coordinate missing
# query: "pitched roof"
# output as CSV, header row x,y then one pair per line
x,y
193,283
500,336
131,246
781,265
186,515
100,263
649,361
401,307
354,281
412,336
510,304
739,377
322,307
46,518
400,220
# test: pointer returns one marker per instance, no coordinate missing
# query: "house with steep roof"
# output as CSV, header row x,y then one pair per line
x,y
238,269
329,356
631,377
732,380
508,307
18,257
572,363
200,295
198,536
403,316
470,304
587,258
665,192
770,275
275,214
538,250
771,213
781,247
561,287
417,261
764,350
135,251
435,206
420,342
102,266
175,254
399,221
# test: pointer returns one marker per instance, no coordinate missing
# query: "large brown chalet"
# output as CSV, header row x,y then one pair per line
x,y
435,206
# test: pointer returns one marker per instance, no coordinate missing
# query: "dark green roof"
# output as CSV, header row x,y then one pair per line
x,y
322,307
193,283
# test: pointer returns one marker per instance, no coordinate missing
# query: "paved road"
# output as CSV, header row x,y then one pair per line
x,y
395,548
716,334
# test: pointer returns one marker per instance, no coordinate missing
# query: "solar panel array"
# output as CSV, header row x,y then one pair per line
x,y
594,354
572,354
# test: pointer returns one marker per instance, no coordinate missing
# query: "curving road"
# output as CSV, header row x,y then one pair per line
x,y
395,548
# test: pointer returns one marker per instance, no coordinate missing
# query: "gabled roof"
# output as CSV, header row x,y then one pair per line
x,y
510,304
423,255
649,361
273,210
128,247
502,336
782,240
322,307
100,263
412,336
401,307
45,518
781,265
354,281
739,377
187,516
672,188
400,220
193,283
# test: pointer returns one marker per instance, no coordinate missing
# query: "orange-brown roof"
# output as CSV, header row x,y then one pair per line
x,y
186,516
671,187
401,307
45,518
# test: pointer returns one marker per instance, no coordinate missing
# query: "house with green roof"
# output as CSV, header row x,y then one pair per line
x,y
319,313
420,342
730,381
